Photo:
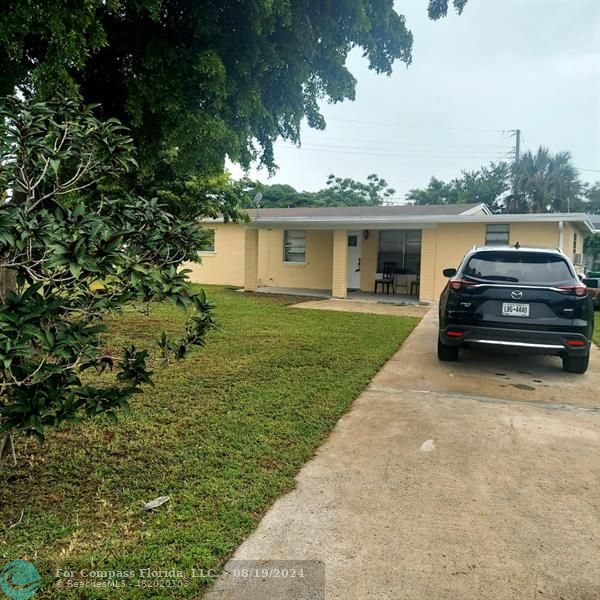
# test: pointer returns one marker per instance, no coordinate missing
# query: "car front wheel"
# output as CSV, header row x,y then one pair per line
x,y
576,364
445,352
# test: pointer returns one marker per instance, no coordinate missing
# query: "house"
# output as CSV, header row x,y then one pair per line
x,y
336,251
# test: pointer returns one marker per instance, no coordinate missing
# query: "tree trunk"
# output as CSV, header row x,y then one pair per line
x,y
8,282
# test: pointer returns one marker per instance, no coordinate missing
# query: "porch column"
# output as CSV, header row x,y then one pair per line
x,y
251,260
339,276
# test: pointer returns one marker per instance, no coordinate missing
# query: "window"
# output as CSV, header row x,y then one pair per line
x,y
400,246
518,267
209,241
574,244
497,235
294,246
352,241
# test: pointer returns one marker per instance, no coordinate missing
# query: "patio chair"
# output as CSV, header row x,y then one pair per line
x,y
415,285
387,279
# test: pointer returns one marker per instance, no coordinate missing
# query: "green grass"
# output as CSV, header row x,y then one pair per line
x,y
597,329
223,433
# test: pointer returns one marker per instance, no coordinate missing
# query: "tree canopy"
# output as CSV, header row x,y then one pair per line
x,y
545,182
197,81
338,191
540,182
488,185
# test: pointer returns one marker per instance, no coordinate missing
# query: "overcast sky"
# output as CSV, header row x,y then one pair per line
x,y
501,65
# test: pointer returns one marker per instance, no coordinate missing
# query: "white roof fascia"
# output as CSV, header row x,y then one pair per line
x,y
417,221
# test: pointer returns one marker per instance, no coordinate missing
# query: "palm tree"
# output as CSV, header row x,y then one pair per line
x,y
544,182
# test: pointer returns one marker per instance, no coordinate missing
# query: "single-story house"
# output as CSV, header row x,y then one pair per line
x,y
338,250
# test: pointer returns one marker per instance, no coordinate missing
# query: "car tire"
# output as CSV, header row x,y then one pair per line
x,y
445,352
576,364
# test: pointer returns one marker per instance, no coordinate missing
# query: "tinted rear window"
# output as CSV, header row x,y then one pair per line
x,y
518,267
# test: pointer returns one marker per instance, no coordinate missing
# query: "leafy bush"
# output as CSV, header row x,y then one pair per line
x,y
73,248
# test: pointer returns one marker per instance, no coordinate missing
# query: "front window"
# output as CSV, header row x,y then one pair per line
x,y
209,240
294,246
497,235
401,247
518,267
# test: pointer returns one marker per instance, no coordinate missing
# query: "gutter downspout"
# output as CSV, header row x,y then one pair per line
x,y
561,236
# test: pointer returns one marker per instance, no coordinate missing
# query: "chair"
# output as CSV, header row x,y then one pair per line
x,y
416,285
387,278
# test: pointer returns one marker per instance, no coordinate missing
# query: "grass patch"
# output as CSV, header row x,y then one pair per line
x,y
597,329
223,433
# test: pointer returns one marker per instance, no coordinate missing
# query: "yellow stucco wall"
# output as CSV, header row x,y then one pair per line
x,y
441,247
568,232
534,234
224,266
445,246
314,274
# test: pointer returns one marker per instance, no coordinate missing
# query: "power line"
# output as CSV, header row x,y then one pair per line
x,y
422,152
409,144
389,154
413,126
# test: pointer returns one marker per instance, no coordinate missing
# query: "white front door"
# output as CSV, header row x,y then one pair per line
x,y
354,240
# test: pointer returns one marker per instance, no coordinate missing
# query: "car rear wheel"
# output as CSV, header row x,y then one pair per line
x,y
445,352
576,364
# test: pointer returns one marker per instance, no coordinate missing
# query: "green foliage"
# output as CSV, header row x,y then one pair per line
x,y
545,182
488,185
337,192
223,433
198,80
591,195
79,250
591,249
214,197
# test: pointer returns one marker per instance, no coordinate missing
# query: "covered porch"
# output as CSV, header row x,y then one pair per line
x,y
378,265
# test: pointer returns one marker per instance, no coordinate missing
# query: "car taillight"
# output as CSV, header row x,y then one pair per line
x,y
459,284
578,290
576,343
455,334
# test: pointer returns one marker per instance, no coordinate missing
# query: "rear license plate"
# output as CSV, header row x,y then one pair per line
x,y
515,310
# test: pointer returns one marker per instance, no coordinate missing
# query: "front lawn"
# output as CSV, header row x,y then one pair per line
x,y
223,433
597,329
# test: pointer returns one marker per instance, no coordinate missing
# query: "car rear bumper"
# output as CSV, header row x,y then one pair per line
x,y
516,340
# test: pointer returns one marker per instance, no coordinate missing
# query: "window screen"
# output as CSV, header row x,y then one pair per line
x,y
497,235
294,246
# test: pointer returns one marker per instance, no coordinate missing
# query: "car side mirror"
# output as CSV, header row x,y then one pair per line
x,y
449,272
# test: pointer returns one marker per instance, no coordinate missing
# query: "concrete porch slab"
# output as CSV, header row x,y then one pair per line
x,y
356,306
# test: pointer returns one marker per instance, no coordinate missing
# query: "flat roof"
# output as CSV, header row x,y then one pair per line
x,y
381,217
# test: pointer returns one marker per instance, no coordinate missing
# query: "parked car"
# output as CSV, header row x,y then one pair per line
x,y
517,299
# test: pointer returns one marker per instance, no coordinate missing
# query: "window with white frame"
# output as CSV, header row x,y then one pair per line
x,y
294,246
497,234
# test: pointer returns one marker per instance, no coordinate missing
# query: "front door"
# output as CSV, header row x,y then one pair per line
x,y
354,239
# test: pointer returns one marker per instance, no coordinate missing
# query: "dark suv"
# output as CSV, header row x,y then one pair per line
x,y
517,299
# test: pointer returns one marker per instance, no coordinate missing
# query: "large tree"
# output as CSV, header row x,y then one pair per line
x,y
488,185
197,80
544,182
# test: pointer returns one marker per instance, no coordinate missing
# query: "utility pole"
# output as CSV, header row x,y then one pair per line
x,y
517,133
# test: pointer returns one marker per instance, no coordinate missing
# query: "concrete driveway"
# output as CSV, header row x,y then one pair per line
x,y
470,480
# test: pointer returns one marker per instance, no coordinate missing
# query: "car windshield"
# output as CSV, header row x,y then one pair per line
x,y
518,267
